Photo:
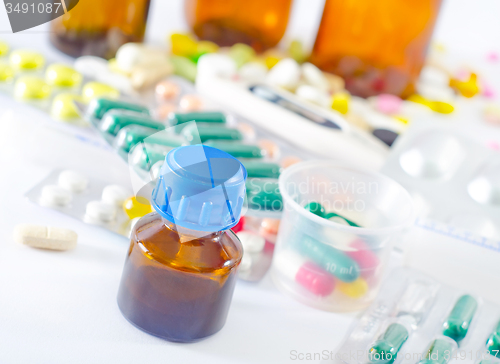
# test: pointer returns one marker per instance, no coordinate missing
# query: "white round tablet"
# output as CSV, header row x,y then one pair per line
x,y
115,194
252,242
73,181
101,211
53,195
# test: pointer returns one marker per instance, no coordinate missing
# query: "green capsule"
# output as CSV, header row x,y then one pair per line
x,y
327,257
146,155
259,169
493,342
440,351
114,120
316,208
212,132
458,322
329,215
386,348
178,119
237,150
130,135
99,106
264,194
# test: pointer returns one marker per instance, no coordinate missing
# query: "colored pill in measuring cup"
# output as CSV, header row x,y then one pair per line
x,y
62,75
386,348
316,208
196,133
333,216
131,135
237,149
355,289
26,60
264,194
334,261
94,89
64,108
366,258
73,181
305,273
175,119
31,88
458,321
260,169
114,120
99,106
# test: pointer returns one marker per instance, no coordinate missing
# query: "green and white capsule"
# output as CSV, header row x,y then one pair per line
x,y
439,351
114,120
458,322
260,169
131,135
178,119
386,348
196,133
264,194
145,156
237,149
99,106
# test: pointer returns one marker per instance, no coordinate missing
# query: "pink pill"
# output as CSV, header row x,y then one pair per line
x,y
388,104
166,90
366,258
488,91
315,279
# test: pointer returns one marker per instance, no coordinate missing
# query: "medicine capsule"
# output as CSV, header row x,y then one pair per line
x,y
355,289
133,208
327,257
368,261
458,322
440,351
190,103
386,348
259,169
307,274
53,195
6,72
264,194
493,342
73,181
64,108
238,150
93,89
211,132
175,119
146,156
62,76
4,49
131,135
167,90
45,237
332,215
99,106
114,120
24,60
340,102
316,208
115,194
100,211
31,88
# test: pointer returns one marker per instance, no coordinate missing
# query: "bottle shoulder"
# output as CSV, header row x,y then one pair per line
x,y
159,240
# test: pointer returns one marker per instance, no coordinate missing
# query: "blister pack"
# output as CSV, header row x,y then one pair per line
x,y
416,319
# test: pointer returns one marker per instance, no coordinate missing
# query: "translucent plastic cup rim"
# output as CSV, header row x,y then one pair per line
x,y
285,175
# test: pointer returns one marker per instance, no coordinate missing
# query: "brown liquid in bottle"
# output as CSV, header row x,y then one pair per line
x,y
180,291
100,27
258,23
376,46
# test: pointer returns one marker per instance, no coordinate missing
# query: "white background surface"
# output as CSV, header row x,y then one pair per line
x,y
61,307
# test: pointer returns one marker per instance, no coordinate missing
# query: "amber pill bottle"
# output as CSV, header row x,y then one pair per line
x,y
376,46
99,27
258,23
180,270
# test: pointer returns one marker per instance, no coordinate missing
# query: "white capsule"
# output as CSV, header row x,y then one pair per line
x,y
253,72
313,95
45,237
315,77
53,195
251,242
73,181
100,211
115,194
216,65
129,55
91,66
285,74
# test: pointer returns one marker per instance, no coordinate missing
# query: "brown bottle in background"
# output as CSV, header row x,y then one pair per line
x,y
258,23
100,27
376,46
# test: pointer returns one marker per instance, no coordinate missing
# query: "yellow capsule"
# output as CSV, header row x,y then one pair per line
x,y
31,88
467,88
26,60
355,289
63,107
183,45
340,102
418,99
6,72
94,89
442,107
4,48
136,208
402,119
62,75
271,61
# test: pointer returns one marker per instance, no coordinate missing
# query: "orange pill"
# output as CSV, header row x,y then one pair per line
x,y
166,90
190,103
272,150
289,161
162,111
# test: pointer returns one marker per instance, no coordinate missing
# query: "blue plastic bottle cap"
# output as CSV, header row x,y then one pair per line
x,y
200,188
